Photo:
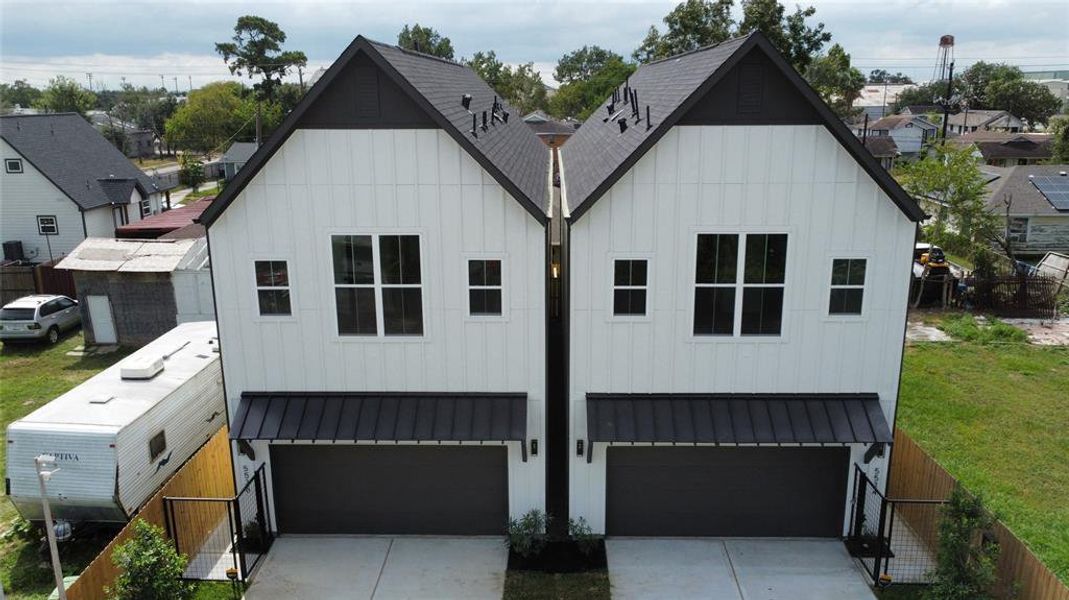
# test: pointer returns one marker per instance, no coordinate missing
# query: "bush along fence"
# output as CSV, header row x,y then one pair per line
x,y
207,474
916,476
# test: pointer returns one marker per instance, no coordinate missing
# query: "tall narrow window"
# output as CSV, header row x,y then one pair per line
x,y
273,287
146,208
378,284
762,295
847,286
629,288
484,287
715,280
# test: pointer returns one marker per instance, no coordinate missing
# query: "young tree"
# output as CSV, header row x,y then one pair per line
x,y
582,64
965,562
798,42
191,172
838,83
151,568
66,95
425,40
1029,100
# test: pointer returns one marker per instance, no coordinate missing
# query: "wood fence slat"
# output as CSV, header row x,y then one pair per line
x,y
1021,575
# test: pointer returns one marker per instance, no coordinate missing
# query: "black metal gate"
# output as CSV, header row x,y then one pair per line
x,y
895,539
220,534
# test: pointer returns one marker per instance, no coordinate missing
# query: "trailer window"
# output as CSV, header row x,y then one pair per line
x,y
157,445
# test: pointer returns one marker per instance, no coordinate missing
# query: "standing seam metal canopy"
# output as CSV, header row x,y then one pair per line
x,y
342,416
737,418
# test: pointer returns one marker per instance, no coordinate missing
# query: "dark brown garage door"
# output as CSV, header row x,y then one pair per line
x,y
390,489
718,491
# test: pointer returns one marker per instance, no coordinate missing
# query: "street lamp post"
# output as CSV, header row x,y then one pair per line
x,y
46,467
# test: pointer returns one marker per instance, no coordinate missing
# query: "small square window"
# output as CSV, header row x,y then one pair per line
x,y
157,446
272,287
13,165
629,288
47,225
484,287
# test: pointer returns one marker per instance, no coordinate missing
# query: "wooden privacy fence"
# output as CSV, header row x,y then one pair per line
x,y
16,281
208,474
914,474
51,280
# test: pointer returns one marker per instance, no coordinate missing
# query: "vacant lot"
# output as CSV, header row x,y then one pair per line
x,y
997,417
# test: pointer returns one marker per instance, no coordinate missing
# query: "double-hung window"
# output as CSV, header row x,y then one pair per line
x,y
726,305
377,284
629,288
847,286
1017,230
273,287
484,287
146,208
47,225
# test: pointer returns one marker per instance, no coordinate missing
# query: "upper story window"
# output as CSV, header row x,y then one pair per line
x,y
13,165
146,208
724,305
378,284
273,287
47,225
1017,230
847,286
629,288
484,287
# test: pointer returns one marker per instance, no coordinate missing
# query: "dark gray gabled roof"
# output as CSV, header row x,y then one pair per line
x,y
75,157
239,152
385,416
737,418
509,151
598,154
1018,184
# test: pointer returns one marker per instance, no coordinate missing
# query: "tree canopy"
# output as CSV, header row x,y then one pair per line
x,y
1060,150
838,83
689,26
256,51
65,95
19,93
425,40
883,76
584,63
997,86
217,113
522,86
798,42
579,98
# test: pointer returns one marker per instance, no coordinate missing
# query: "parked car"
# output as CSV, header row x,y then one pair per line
x,y
38,317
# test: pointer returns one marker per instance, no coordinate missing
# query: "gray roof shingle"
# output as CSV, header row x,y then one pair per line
x,y
239,152
75,157
1026,198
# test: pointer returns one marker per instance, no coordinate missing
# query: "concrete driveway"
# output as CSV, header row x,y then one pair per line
x,y
327,567
733,569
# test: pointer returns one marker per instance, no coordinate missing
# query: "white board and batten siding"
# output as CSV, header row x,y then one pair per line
x,y
328,182
796,180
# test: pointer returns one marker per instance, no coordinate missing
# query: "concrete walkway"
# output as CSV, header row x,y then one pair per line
x,y
733,569
381,568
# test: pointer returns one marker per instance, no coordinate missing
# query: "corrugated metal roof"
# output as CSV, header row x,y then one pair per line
x,y
165,222
138,256
344,416
737,418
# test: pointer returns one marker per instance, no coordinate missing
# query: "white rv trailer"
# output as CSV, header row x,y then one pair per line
x,y
118,436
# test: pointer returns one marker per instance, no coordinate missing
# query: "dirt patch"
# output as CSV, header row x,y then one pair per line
x,y
1044,333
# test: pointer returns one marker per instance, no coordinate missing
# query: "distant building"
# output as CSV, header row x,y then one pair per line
x,y
910,132
1038,219
138,143
235,157
1004,149
884,149
877,99
552,133
984,120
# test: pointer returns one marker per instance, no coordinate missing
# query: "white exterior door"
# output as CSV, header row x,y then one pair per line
x,y
100,319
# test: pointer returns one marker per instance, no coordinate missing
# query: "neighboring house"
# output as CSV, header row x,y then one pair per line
x,y
380,271
1005,149
235,157
876,99
165,223
737,270
921,109
63,182
553,133
883,149
133,291
139,143
910,132
984,120
1038,216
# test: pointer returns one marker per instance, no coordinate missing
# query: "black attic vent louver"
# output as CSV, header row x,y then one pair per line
x,y
623,124
465,101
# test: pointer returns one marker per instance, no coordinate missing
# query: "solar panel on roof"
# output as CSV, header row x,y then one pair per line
x,y
1055,189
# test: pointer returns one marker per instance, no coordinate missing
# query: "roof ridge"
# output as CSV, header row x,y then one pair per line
x,y
416,53
703,48
55,114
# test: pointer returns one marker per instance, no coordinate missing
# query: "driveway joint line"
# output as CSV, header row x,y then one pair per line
x,y
734,575
378,579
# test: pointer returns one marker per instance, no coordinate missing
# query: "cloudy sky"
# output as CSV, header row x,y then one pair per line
x,y
175,38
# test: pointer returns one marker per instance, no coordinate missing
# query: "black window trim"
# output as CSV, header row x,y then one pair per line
x,y
739,286
256,288
611,308
833,286
467,258
55,224
17,171
377,285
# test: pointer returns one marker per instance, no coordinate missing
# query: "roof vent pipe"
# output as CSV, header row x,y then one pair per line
x,y
465,101
648,124
1062,173
623,124
474,125
484,120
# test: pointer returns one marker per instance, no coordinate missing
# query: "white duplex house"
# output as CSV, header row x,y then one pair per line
x,y
737,268
379,270
63,182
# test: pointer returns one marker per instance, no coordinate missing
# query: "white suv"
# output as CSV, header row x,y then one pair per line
x,y
38,317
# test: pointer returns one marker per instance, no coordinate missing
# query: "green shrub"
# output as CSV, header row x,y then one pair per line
x,y
965,327
527,536
966,560
151,567
584,537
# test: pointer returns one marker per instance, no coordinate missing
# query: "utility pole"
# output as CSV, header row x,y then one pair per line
x,y
46,467
300,78
89,76
176,85
163,86
947,100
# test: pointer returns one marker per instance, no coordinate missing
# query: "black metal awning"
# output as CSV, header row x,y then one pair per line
x,y
385,416
737,418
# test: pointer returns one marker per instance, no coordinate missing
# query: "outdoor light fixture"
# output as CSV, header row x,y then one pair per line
x,y
45,465
232,575
579,447
534,447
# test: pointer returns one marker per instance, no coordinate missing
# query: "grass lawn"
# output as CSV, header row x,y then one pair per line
x,y
902,592
997,417
32,375
535,585
213,590
205,190
154,163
